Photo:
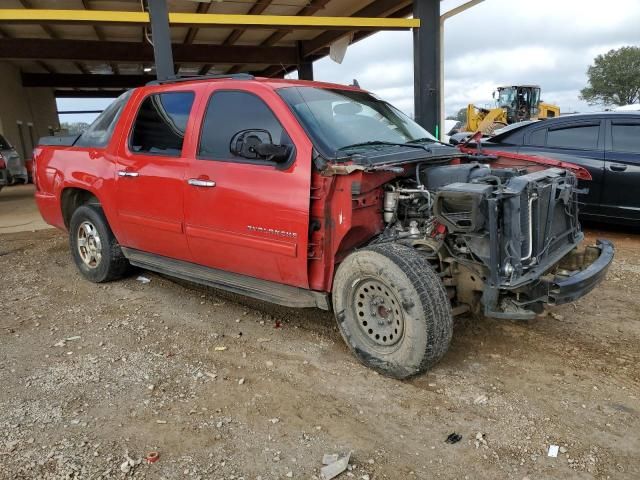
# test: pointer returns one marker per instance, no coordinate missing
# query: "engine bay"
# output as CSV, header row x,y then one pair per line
x,y
500,226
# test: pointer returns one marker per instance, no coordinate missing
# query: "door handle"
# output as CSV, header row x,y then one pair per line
x,y
197,182
126,173
616,167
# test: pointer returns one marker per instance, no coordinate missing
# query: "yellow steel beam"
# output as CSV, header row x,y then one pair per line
x,y
97,17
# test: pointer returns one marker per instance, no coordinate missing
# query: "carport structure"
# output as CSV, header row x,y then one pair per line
x,y
99,48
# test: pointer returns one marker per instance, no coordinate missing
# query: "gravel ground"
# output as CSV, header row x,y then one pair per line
x,y
228,388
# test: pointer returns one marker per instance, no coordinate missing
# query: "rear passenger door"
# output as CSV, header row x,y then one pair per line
x,y
249,216
580,142
621,194
150,174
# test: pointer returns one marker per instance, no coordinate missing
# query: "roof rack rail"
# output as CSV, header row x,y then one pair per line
x,y
234,76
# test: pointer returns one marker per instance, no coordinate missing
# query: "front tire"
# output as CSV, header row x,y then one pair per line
x,y
392,310
94,248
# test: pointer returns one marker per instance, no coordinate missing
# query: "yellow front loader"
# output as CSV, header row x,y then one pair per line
x,y
515,104
484,120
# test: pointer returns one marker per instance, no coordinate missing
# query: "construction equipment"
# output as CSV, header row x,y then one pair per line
x,y
514,104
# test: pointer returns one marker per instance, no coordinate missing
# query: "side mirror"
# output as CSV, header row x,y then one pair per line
x,y
257,144
273,153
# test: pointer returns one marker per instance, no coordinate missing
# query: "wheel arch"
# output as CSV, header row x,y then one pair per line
x,y
73,197
356,237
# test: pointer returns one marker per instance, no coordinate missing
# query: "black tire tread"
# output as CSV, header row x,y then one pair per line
x,y
118,265
432,294
417,283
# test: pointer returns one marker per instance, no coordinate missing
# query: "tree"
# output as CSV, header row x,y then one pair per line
x,y
461,116
614,78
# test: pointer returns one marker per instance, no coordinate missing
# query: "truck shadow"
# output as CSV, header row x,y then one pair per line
x,y
313,319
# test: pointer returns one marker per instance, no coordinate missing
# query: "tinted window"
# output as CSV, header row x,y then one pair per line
x,y
4,145
512,134
625,138
161,122
583,137
538,137
231,112
99,132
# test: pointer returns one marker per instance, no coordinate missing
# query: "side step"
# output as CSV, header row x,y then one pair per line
x,y
273,292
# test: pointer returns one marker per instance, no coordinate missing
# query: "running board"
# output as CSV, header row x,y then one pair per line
x,y
273,292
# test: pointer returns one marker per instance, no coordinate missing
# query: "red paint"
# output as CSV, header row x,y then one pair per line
x,y
227,226
510,159
291,226
439,230
152,457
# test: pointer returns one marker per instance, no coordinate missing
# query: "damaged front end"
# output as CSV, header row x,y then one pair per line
x,y
518,233
502,232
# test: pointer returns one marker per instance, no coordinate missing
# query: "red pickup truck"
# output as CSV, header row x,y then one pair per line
x,y
310,194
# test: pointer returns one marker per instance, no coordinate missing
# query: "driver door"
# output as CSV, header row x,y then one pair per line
x,y
249,215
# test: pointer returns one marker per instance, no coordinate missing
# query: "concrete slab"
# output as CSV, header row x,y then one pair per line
x,y
18,210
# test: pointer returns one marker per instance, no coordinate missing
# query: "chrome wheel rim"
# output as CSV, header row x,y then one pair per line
x,y
378,313
89,244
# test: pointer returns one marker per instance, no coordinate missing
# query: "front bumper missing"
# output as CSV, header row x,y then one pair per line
x,y
576,277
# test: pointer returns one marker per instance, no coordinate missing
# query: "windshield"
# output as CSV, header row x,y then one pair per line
x,y
347,120
506,97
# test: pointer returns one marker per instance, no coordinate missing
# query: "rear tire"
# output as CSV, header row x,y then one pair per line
x,y
94,248
392,310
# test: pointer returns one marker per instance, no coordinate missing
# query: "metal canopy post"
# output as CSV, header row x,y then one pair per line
x,y
305,67
161,37
426,60
445,16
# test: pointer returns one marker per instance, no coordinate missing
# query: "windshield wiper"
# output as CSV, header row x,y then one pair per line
x,y
428,139
423,139
374,143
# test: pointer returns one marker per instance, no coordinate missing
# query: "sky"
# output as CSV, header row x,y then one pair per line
x,y
546,42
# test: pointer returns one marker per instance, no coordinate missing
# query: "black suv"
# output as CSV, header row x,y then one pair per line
x,y
605,143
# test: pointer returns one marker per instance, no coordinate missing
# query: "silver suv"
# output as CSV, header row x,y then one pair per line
x,y
12,167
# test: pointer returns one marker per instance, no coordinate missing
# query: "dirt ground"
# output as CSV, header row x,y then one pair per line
x,y
227,388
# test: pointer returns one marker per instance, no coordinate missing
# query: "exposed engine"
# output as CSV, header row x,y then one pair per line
x,y
504,225
439,200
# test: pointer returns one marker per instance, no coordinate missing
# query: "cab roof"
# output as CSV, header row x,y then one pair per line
x,y
274,83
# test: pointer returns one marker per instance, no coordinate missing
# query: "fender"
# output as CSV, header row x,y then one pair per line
x,y
580,172
90,170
